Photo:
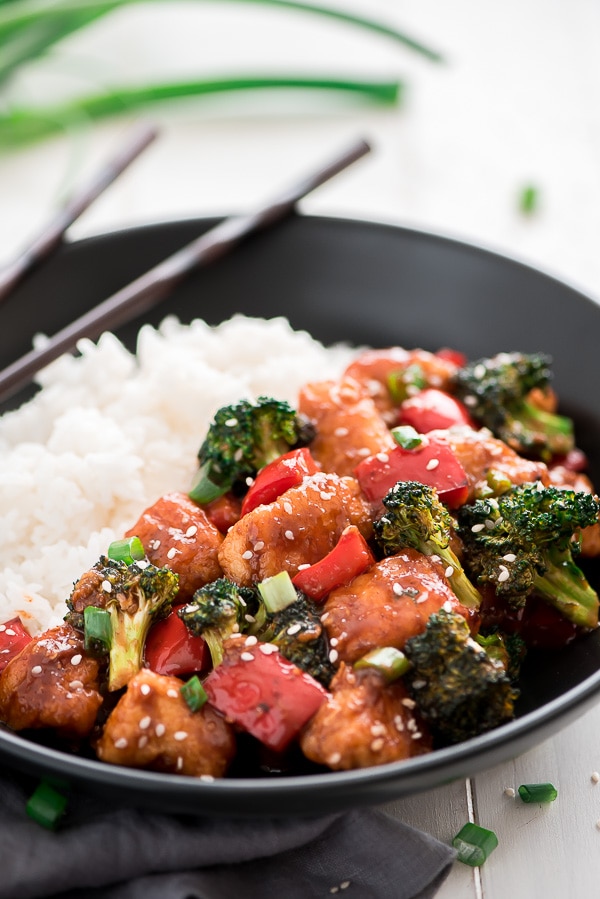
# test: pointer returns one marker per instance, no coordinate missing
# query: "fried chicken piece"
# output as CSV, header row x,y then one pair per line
x,y
52,683
153,727
364,722
177,533
349,427
388,604
300,527
479,453
374,367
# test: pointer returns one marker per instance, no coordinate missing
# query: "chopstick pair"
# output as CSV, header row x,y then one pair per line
x,y
146,291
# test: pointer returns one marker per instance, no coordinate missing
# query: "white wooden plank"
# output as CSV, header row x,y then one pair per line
x,y
441,813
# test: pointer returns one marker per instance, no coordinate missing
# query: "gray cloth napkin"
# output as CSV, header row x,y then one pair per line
x,y
102,853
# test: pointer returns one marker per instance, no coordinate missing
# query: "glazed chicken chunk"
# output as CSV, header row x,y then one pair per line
x,y
52,683
349,427
364,722
176,533
300,527
153,727
387,605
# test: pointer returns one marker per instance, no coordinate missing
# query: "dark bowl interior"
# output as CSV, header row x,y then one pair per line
x,y
365,284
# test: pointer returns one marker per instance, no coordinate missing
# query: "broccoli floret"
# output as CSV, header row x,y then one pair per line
x,y
242,439
459,689
415,517
300,637
496,392
524,541
134,596
218,610
508,650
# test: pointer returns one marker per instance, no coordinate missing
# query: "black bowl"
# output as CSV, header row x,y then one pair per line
x,y
366,284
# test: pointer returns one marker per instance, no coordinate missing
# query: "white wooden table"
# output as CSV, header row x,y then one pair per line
x,y
515,104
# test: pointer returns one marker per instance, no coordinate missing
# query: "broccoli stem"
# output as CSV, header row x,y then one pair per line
x,y
565,587
468,595
129,634
214,641
557,429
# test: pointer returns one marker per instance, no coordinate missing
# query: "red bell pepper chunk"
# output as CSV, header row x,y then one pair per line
x,y
349,558
224,511
263,693
432,463
433,409
172,649
13,637
277,477
459,359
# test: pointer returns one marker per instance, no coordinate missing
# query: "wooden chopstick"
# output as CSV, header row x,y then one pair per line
x,y
53,232
151,287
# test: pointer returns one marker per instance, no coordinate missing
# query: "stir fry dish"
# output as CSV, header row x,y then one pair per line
x,y
351,582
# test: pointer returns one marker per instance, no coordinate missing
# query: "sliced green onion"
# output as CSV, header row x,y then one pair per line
x,y
389,661
97,629
194,693
407,437
400,382
538,792
474,844
203,490
46,805
277,592
528,201
128,550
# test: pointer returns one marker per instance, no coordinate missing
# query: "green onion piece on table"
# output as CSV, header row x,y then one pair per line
x,y
538,792
97,629
474,844
194,693
128,550
46,805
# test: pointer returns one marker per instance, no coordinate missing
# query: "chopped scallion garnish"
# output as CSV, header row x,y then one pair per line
x,y
389,661
538,792
128,550
474,844
46,805
194,693
407,437
278,592
97,628
203,490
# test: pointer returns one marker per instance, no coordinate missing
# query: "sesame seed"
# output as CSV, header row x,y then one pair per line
x,y
344,885
250,619
399,723
378,729
248,554
231,422
267,648
397,589
180,735
476,528
143,741
363,451
334,758
503,574
333,656
470,401
107,586
325,616
411,724
207,778
191,531
141,563
509,557
287,507
448,607
435,558
382,457
334,889
172,693
595,777
145,722
258,546
433,463
326,496
289,535
9,632
304,566
76,659
249,482
179,763
251,640
145,689
408,703
36,670
159,730
377,744
294,629
155,544
510,792
2,627
172,553
418,684
416,735
449,571
341,432
334,641
76,685
238,455
490,524
121,743
247,657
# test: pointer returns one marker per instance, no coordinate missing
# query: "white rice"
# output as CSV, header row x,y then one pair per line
x,y
111,431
